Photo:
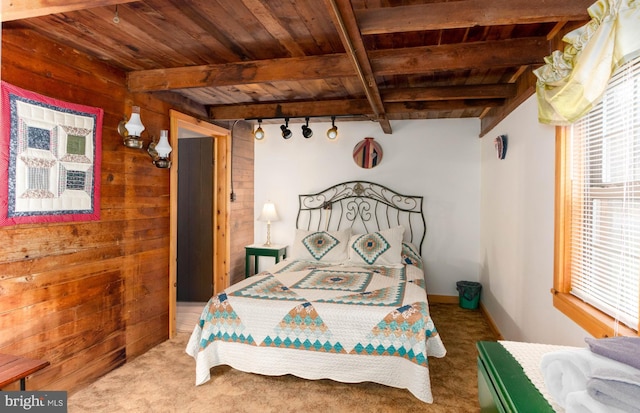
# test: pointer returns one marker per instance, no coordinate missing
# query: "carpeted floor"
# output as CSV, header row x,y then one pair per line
x,y
162,380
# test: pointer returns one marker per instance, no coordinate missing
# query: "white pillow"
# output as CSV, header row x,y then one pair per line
x,y
325,246
377,248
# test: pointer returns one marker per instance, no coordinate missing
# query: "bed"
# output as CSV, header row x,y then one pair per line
x,y
348,304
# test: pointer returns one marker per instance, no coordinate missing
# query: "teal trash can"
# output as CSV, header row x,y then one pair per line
x,y
469,293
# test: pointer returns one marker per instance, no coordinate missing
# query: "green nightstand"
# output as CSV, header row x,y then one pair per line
x,y
261,250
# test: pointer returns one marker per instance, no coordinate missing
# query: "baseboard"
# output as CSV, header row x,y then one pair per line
x,y
454,299
492,324
443,299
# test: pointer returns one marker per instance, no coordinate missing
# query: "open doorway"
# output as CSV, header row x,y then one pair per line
x,y
182,127
195,219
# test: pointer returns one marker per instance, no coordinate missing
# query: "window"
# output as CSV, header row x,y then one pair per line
x,y
598,212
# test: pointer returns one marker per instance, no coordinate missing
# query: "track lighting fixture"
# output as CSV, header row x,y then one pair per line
x,y
259,133
332,133
286,132
306,130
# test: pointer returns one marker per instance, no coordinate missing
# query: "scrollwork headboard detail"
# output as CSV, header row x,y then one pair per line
x,y
365,207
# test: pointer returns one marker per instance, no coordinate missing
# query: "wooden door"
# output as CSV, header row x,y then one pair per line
x,y
195,216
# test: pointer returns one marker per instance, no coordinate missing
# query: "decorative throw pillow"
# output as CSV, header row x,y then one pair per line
x,y
326,246
377,248
410,255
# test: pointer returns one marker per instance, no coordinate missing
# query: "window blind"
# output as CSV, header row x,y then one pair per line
x,y
605,191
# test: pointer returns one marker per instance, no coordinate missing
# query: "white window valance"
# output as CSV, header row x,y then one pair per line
x,y
572,82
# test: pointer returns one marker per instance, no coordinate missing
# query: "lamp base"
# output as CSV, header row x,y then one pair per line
x,y
133,142
162,163
268,243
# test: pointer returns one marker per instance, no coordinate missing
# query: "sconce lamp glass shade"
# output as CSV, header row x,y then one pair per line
x,y
286,132
332,133
163,148
268,214
134,125
306,130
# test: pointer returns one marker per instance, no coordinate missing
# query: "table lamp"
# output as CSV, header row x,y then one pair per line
x,y
268,214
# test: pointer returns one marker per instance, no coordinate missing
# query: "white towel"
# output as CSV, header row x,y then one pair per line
x,y
567,371
581,402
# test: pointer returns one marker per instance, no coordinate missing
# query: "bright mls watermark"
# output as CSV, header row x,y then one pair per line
x,y
33,401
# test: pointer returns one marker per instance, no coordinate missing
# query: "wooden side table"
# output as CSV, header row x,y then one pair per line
x,y
13,368
259,250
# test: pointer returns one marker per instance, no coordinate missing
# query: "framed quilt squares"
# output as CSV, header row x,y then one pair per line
x,y
50,153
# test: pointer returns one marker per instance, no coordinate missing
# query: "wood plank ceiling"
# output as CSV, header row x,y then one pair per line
x,y
377,60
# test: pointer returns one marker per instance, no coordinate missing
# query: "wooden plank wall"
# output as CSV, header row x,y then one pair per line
x,y
242,211
89,296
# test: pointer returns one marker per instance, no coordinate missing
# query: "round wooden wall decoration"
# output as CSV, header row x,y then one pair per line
x,y
367,153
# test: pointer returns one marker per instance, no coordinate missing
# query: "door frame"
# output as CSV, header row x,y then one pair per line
x,y
180,122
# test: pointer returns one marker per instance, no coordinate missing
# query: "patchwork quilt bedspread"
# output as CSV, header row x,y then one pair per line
x,y
316,320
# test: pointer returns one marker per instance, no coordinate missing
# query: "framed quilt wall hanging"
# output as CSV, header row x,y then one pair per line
x,y
50,153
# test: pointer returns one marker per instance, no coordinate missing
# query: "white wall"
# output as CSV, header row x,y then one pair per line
x,y
488,220
438,159
517,232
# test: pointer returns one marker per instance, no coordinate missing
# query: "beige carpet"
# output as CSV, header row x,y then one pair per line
x,y
162,380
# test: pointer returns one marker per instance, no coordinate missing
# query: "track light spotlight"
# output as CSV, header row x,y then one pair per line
x,y
306,130
259,133
286,132
332,133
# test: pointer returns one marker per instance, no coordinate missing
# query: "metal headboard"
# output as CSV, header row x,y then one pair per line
x,y
365,207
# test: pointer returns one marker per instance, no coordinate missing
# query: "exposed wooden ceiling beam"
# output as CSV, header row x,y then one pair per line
x,y
345,21
346,107
500,90
425,59
447,105
384,62
241,73
468,13
24,9
291,109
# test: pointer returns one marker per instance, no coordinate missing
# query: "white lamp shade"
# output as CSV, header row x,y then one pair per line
x,y
163,148
268,213
134,126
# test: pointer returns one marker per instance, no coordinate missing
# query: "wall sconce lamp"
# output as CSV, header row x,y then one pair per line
x,y
259,133
268,214
131,131
332,133
306,130
286,132
160,151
